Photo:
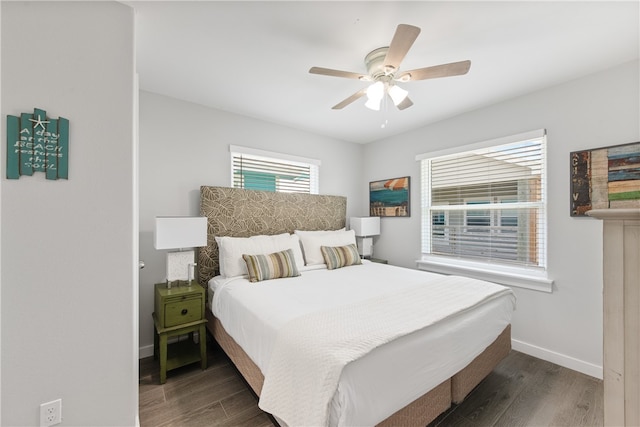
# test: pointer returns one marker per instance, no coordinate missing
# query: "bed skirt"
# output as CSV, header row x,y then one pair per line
x,y
418,413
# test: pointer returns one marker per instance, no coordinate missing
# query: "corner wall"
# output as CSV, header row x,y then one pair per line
x,y
602,109
185,145
68,247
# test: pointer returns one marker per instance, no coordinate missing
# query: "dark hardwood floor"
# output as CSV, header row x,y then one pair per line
x,y
521,391
525,391
217,396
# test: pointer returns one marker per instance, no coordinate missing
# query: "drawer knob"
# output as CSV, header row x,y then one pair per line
x,y
184,311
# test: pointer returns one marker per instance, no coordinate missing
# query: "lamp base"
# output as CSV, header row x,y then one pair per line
x,y
365,246
178,266
178,283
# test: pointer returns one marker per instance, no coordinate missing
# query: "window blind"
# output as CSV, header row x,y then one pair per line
x,y
259,172
487,204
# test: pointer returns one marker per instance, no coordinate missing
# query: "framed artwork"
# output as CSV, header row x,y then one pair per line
x,y
390,197
605,178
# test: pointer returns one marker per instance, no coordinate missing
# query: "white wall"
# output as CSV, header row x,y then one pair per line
x,y
185,145
598,110
1,133
68,246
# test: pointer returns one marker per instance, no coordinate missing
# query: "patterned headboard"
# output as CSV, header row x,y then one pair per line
x,y
243,213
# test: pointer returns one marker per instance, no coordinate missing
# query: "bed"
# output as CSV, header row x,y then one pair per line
x,y
407,379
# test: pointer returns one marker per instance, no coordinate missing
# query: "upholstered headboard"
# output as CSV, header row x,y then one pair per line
x,y
243,213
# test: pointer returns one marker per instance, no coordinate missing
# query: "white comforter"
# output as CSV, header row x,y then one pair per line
x,y
255,315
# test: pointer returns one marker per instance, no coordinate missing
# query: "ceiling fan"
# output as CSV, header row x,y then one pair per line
x,y
383,69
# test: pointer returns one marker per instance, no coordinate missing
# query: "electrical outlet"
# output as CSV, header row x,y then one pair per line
x,y
51,413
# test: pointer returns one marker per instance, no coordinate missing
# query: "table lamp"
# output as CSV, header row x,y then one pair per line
x,y
365,228
179,232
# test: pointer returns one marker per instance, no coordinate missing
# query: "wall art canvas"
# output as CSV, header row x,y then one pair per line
x,y
605,178
390,197
37,143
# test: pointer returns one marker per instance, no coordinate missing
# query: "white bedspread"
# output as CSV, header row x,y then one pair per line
x,y
311,351
391,376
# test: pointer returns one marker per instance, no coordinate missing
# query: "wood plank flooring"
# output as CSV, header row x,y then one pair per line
x,y
525,391
521,391
217,396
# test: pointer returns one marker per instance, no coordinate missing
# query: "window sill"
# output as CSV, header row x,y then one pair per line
x,y
518,277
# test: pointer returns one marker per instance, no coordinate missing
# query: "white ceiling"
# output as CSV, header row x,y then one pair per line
x,y
252,58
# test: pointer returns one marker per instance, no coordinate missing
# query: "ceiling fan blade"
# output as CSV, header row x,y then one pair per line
x,y
444,70
349,100
337,73
406,103
400,44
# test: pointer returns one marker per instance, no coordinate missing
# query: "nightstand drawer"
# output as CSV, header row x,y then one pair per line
x,y
182,311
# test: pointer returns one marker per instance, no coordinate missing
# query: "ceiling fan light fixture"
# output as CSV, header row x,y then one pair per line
x,y
375,91
383,68
373,104
397,94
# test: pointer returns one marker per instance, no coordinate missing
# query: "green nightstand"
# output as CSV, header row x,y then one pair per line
x,y
179,311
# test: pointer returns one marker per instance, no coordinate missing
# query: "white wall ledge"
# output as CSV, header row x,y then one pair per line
x,y
520,278
619,214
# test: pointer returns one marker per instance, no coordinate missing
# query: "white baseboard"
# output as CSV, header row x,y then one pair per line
x,y
557,358
145,351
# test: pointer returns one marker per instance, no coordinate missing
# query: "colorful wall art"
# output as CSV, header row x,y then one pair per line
x,y
389,197
605,178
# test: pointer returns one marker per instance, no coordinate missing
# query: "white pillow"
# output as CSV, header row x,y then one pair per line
x,y
313,240
317,232
231,250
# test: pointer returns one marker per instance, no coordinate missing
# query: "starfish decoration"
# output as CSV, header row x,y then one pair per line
x,y
38,122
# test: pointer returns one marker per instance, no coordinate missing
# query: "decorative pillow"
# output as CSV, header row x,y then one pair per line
x,y
313,240
340,256
272,266
231,250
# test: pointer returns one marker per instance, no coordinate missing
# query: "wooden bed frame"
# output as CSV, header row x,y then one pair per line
x,y
244,213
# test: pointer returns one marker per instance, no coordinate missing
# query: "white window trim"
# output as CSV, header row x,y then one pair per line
x,y
505,275
528,278
539,133
238,149
273,155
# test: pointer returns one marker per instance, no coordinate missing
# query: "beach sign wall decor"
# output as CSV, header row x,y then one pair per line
x,y
37,143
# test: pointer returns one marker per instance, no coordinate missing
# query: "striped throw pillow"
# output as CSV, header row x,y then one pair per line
x,y
340,256
271,266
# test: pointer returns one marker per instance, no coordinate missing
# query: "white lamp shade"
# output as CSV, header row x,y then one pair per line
x,y
397,94
174,232
365,226
375,92
373,104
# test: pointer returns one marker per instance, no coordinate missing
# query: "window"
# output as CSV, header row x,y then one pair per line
x,y
262,170
486,204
